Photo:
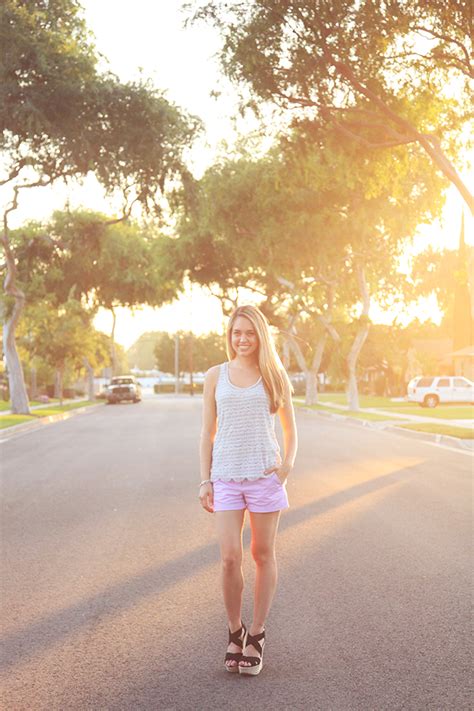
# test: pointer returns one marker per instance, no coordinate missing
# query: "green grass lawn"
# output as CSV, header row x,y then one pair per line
x,y
10,420
364,400
461,432
373,417
444,412
7,405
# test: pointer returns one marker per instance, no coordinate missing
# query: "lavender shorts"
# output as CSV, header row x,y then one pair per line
x,y
262,495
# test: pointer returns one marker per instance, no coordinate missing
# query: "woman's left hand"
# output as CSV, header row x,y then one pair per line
x,y
281,470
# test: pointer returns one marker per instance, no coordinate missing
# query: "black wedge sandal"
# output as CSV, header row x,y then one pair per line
x,y
238,638
256,663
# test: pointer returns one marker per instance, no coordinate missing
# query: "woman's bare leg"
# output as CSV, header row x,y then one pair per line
x,y
264,529
229,526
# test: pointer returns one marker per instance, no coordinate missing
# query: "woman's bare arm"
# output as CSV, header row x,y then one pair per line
x,y
286,414
208,433
209,421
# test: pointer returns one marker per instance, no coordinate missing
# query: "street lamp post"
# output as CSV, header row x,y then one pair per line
x,y
176,363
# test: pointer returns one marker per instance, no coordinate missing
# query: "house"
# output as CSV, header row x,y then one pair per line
x,y
460,362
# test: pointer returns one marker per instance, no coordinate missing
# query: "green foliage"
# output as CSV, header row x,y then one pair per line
x,y
382,73
106,264
294,225
60,335
445,274
141,354
61,117
197,353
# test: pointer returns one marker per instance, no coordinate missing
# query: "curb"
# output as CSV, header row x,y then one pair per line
x,y
38,424
462,444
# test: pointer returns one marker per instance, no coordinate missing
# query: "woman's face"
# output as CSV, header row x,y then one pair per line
x,y
244,337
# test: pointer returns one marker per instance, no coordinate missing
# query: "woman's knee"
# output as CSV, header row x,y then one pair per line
x,y
231,559
263,555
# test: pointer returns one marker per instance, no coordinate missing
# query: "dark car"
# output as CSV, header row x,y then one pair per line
x,y
123,387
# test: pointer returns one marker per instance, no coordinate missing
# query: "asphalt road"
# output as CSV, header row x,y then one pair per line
x,y
110,590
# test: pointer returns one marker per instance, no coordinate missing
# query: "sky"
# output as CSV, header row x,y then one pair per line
x,y
148,36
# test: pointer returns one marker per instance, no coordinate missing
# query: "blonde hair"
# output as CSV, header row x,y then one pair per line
x,y
273,373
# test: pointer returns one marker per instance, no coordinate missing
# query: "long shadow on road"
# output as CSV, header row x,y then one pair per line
x,y
26,642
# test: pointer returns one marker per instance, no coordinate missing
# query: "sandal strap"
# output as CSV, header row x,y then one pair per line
x,y
254,640
233,656
237,637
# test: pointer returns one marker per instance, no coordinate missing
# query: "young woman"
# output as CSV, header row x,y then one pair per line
x,y
241,468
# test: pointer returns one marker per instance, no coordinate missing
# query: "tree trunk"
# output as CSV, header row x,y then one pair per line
x,y
16,380
302,366
359,340
311,373
352,389
90,379
113,355
316,364
286,354
311,390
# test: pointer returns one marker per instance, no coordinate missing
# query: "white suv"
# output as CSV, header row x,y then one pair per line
x,y
430,391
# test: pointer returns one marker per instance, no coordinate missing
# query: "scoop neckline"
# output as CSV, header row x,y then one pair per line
x,y
238,387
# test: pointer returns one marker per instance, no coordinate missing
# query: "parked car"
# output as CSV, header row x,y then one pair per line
x,y
429,391
123,387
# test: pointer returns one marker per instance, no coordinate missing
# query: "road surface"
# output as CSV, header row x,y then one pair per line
x,y
110,588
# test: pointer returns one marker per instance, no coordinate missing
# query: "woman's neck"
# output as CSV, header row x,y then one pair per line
x,y
249,363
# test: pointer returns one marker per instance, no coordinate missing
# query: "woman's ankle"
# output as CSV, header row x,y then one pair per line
x,y
256,628
235,624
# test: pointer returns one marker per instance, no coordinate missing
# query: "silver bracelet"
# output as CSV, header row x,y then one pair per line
x,y
206,481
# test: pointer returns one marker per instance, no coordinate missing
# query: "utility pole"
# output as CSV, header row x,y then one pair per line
x,y
191,365
191,343
176,363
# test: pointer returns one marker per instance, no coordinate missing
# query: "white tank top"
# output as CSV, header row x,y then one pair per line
x,y
245,444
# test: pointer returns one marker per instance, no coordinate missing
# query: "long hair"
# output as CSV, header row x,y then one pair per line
x,y
271,367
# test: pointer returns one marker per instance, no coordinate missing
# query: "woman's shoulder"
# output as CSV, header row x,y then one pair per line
x,y
212,375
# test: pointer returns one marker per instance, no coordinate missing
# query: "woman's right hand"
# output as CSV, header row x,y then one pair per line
x,y
206,497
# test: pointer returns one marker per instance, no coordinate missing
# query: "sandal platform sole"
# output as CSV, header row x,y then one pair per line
x,y
252,671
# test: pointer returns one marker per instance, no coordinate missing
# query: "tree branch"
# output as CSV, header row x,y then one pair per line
x,y
425,141
449,40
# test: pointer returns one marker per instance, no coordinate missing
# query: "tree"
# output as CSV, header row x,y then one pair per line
x,y
312,227
446,274
205,351
141,354
63,336
62,119
122,264
376,71
40,371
